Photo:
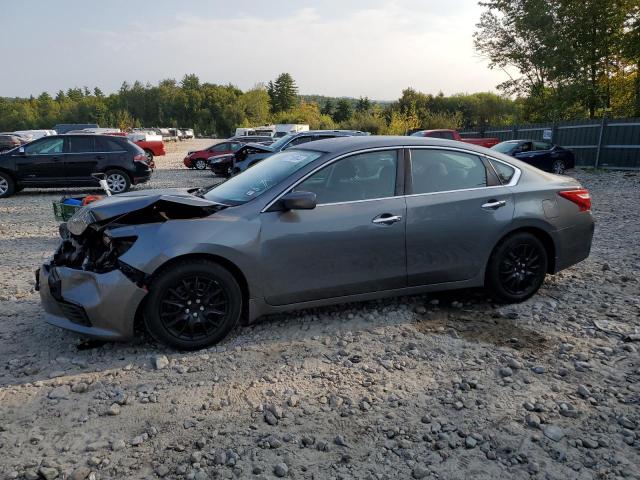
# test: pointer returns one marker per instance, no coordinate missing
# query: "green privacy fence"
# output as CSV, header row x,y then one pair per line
x,y
602,143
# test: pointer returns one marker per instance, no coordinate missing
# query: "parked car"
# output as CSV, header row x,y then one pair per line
x,y
398,216
152,144
62,128
187,133
261,139
69,161
544,155
198,159
453,135
10,141
35,134
252,153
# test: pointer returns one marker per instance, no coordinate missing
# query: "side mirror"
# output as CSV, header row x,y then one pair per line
x,y
298,201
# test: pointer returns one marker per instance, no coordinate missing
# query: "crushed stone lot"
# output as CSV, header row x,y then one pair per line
x,y
444,386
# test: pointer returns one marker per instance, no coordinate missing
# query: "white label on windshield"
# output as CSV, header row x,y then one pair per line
x,y
250,192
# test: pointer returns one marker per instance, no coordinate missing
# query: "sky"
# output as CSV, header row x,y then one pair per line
x,y
354,48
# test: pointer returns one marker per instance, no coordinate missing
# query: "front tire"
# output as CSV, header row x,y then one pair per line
x,y
118,181
7,185
193,305
200,164
516,268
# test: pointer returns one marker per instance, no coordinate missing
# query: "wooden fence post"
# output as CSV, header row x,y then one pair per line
x,y
603,125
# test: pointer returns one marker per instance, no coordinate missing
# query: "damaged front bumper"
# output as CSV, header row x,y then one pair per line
x,y
99,305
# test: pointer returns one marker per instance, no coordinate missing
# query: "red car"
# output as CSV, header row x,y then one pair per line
x,y
198,159
152,148
453,135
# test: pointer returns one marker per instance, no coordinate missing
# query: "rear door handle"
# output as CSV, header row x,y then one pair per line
x,y
386,219
494,204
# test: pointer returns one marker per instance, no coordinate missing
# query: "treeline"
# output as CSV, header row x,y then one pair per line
x,y
575,58
218,109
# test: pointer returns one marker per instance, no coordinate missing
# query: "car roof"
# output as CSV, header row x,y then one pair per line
x,y
346,144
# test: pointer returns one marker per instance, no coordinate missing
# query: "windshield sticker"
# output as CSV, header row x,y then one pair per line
x,y
250,192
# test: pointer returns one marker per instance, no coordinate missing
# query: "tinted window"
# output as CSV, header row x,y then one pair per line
x,y
446,135
505,147
235,146
359,177
221,147
442,170
504,171
108,145
300,140
52,145
541,146
80,144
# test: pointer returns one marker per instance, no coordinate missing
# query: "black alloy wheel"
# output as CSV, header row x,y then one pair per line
x,y
193,305
558,167
517,268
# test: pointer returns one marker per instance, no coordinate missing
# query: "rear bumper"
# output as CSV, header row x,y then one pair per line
x,y
141,174
97,305
573,244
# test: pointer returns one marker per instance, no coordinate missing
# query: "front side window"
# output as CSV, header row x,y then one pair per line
x,y
256,180
443,170
221,147
360,177
80,144
45,147
541,146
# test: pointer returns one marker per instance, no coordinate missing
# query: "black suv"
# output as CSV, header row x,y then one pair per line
x,y
69,161
252,153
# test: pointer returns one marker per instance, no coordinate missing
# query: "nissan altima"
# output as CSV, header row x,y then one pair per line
x,y
331,221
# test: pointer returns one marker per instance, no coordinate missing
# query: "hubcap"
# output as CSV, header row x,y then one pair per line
x,y
200,165
4,186
521,269
116,182
149,156
194,308
558,167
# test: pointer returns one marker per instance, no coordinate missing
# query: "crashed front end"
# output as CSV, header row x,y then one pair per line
x,y
85,286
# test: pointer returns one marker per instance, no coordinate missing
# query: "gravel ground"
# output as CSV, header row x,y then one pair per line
x,y
446,386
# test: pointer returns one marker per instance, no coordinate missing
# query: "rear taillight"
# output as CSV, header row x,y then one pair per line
x,y
141,157
580,197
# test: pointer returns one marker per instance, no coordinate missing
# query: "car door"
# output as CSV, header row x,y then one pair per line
x,y
456,212
81,159
353,241
41,161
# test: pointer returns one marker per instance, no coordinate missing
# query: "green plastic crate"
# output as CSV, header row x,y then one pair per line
x,y
63,212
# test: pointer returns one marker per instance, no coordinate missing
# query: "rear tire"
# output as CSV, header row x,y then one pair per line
x,y
200,164
149,155
516,268
193,305
118,181
7,185
558,167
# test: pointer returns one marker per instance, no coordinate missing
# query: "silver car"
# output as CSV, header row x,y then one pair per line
x,y
331,221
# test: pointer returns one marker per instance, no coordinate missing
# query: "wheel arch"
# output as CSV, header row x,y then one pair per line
x,y
237,273
540,234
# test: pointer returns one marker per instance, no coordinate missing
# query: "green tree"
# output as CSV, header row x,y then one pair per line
x,y
283,93
363,105
343,111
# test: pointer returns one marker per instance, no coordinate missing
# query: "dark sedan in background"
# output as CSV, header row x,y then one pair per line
x,y
252,153
543,155
332,221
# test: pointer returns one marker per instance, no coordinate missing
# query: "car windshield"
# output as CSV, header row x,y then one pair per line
x,y
256,180
504,147
277,145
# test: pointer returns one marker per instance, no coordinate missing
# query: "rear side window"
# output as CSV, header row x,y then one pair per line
x,y
80,144
442,170
446,135
504,171
108,145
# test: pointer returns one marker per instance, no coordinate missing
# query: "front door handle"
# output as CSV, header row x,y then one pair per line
x,y
386,219
494,204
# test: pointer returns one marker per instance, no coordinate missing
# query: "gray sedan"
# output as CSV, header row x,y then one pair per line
x,y
332,221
